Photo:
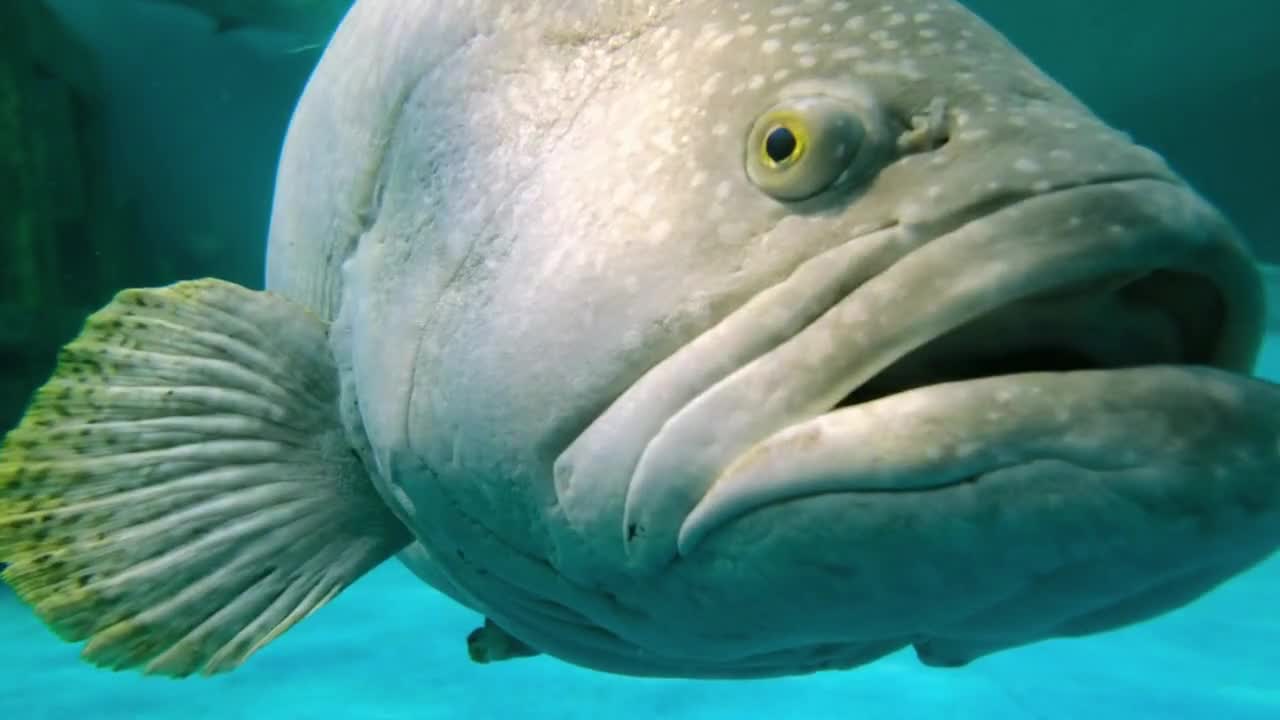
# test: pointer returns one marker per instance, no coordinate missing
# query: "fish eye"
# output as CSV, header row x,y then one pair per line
x,y
799,149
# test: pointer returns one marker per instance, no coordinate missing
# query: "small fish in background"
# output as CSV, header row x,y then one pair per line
x,y
677,338
308,23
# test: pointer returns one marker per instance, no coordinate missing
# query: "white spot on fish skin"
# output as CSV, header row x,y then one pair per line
x,y
771,46
827,29
1026,165
780,75
723,190
807,61
1041,186
643,205
934,192
623,193
922,17
928,33
848,53
748,30
910,212
802,48
712,84
839,6
799,21
719,129
855,23
756,82
659,232
698,180
783,11
897,19
732,232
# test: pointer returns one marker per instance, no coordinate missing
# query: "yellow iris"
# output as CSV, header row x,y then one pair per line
x,y
784,144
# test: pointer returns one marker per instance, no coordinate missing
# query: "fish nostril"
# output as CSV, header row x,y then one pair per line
x,y
927,130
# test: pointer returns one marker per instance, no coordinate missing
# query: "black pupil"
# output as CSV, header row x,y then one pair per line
x,y
780,144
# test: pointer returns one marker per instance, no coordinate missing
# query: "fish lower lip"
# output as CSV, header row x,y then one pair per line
x,y
1137,426
1038,251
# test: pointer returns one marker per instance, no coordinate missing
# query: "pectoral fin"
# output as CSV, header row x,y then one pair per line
x,y
490,643
181,491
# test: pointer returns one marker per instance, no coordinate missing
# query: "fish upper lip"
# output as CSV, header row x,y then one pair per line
x,y
707,434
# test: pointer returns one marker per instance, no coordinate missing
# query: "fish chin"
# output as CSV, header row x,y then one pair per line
x,y
995,345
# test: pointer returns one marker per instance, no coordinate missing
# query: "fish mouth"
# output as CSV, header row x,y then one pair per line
x,y
926,375
1125,320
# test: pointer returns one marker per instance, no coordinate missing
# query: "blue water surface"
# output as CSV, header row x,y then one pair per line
x,y
390,648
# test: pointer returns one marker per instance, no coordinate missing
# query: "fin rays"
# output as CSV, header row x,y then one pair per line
x,y
180,492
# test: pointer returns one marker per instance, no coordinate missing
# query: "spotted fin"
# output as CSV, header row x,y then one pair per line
x,y
180,492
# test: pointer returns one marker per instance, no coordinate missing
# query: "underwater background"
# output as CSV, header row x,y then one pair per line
x,y
138,143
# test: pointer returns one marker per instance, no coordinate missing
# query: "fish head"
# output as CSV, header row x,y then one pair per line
x,y
656,308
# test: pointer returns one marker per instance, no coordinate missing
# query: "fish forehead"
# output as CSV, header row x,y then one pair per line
x,y
730,58
694,82
902,43
666,145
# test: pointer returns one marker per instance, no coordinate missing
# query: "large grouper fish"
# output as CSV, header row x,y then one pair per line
x,y
684,338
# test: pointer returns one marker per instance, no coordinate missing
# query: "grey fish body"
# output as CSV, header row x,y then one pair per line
x,y
700,339
616,311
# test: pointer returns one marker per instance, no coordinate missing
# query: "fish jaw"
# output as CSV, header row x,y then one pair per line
x,y
1075,250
